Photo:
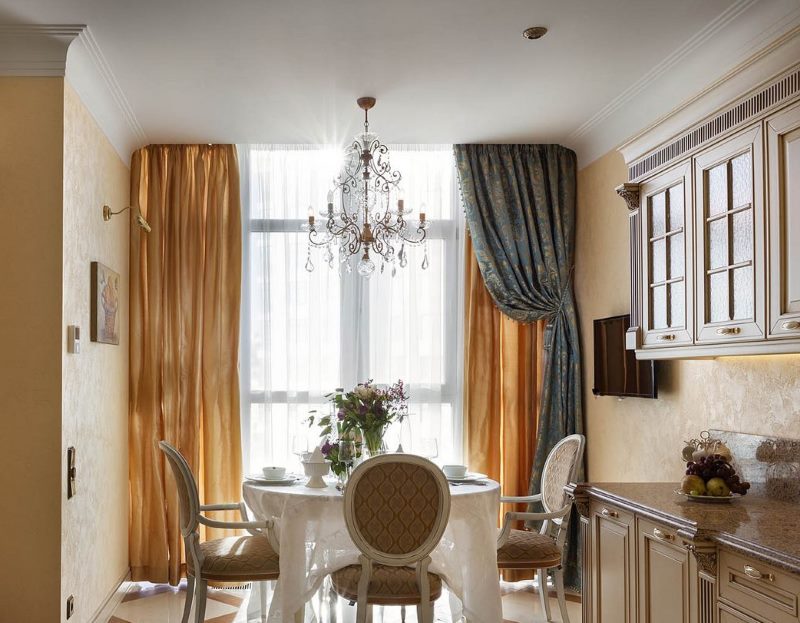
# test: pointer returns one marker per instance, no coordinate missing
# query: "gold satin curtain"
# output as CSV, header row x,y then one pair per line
x,y
184,334
502,386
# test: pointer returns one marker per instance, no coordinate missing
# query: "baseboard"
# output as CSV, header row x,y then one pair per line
x,y
114,599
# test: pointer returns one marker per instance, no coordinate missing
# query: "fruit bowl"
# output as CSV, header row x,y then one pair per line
x,y
709,499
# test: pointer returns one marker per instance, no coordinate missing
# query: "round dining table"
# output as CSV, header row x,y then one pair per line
x,y
313,542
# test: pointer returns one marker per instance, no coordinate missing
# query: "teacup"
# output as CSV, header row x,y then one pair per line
x,y
454,471
274,473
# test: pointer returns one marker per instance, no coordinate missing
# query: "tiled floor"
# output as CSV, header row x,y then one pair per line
x,y
157,603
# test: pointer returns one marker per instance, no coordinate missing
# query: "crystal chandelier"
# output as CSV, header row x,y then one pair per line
x,y
366,212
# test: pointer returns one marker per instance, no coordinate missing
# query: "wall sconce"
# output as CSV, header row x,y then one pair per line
x,y
140,220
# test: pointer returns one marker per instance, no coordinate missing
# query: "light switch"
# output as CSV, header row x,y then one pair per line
x,y
73,339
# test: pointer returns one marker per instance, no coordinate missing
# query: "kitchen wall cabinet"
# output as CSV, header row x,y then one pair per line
x,y
729,207
783,157
715,231
667,315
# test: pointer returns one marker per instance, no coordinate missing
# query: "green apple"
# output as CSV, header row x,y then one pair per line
x,y
718,488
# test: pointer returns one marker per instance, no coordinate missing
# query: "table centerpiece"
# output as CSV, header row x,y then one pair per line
x,y
360,416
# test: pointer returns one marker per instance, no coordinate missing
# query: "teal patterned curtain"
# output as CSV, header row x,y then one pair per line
x,y
520,210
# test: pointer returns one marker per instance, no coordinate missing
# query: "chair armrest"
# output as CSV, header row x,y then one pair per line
x,y
509,499
232,506
555,516
236,525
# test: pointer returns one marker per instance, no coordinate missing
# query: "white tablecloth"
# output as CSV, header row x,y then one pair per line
x,y
314,542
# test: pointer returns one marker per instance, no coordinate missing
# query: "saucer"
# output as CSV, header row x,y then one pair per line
x,y
288,479
469,477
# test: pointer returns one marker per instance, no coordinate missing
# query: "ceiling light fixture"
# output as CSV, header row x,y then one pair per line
x,y
366,211
140,220
534,32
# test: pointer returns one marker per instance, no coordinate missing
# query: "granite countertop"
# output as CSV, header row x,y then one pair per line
x,y
755,524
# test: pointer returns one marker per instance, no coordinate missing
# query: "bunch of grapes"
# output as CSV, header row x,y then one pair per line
x,y
717,466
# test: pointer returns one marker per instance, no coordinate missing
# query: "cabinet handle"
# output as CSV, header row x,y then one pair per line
x,y
729,331
661,535
752,572
607,513
665,337
791,325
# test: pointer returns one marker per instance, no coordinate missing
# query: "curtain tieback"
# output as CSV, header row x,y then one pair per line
x,y
565,290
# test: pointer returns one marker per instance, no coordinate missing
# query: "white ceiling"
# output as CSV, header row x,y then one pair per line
x,y
444,71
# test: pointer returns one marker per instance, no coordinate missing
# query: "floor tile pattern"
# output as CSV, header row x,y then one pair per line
x,y
160,603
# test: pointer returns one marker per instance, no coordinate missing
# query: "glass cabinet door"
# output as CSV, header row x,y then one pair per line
x,y
730,229
783,143
666,232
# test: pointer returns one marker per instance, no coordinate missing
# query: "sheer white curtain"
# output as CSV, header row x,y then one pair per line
x,y
306,333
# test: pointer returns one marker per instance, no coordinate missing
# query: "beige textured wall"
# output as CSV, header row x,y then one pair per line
x,y
31,133
640,440
94,527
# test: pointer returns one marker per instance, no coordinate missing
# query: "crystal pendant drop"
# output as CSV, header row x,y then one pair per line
x,y
328,257
365,266
394,270
425,261
309,265
402,256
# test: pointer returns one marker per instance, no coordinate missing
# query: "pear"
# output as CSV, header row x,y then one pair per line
x,y
718,488
694,485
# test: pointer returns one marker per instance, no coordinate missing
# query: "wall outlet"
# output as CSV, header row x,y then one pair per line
x,y
70,606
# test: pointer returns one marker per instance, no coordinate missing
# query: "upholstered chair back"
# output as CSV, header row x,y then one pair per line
x,y
396,508
561,468
187,488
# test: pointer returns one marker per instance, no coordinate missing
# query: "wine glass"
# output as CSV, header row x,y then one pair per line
x,y
347,455
427,447
299,446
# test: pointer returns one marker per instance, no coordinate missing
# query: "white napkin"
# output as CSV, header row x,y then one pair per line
x,y
316,456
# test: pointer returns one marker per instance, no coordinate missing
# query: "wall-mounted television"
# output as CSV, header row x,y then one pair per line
x,y
617,372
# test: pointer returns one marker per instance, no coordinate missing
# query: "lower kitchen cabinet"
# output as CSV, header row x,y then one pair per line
x,y
614,560
653,557
663,574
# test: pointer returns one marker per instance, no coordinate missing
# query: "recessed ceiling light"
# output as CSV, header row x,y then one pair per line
x,y
534,32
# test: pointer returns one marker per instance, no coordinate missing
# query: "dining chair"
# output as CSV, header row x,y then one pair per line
x,y
247,558
543,550
396,507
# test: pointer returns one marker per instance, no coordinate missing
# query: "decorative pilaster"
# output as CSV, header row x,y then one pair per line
x,y
630,193
706,561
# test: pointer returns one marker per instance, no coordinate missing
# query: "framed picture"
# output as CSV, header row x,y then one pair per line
x,y
104,304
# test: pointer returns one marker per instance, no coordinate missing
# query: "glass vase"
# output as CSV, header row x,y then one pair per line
x,y
373,441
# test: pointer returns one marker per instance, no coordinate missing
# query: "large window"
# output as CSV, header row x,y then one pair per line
x,y
306,333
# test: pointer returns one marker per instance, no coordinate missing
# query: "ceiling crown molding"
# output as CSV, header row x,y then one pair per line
x,y
706,33
87,46
36,49
750,39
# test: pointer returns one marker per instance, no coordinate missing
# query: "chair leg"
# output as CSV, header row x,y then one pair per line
x,y
542,575
562,598
425,613
187,606
300,615
262,589
200,612
402,614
